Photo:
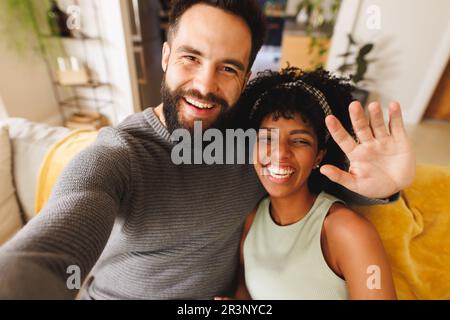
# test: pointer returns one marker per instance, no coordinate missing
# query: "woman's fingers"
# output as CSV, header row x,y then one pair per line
x,y
377,121
396,125
343,139
339,176
359,122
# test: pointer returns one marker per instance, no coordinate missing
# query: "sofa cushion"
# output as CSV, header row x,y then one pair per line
x,y
10,218
30,142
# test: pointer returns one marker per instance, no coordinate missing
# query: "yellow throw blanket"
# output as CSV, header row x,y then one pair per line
x,y
415,230
56,159
416,234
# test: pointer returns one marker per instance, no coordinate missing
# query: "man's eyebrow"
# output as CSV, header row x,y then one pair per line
x,y
237,64
190,50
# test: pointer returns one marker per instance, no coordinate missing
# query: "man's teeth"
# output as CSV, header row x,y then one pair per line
x,y
199,104
278,172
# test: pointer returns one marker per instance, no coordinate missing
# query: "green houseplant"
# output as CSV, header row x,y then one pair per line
x,y
318,26
17,23
356,64
21,22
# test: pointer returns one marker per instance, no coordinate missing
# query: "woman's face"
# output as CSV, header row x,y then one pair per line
x,y
286,168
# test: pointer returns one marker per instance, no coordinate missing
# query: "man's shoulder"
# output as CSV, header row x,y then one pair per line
x,y
134,121
134,127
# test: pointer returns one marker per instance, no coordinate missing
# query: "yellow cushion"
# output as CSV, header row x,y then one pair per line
x,y
415,229
56,159
416,234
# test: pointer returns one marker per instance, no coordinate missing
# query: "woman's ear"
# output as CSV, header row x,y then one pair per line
x,y
320,155
165,56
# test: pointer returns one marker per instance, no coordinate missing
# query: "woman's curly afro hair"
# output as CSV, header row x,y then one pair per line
x,y
282,102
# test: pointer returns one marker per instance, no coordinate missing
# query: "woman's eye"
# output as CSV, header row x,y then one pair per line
x,y
300,142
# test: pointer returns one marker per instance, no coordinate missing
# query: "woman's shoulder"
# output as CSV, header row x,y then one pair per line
x,y
344,225
347,229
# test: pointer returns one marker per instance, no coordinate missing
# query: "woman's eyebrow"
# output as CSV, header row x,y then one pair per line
x,y
301,131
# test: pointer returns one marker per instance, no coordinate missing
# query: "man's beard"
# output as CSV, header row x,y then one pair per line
x,y
171,101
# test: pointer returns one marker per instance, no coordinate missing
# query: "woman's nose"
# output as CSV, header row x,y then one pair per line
x,y
280,152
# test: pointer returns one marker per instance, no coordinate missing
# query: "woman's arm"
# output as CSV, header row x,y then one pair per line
x,y
358,254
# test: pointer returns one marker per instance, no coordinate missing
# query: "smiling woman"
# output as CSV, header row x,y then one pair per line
x,y
298,243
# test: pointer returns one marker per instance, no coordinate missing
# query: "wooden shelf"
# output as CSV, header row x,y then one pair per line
x,y
74,102
85,85
81,37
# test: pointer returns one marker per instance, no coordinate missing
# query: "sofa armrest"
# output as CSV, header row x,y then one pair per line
x,y
30,142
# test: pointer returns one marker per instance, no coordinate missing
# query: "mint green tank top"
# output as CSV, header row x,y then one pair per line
x,y
286,262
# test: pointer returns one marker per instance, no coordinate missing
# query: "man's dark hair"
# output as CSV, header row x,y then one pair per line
x,y
286,103
248,10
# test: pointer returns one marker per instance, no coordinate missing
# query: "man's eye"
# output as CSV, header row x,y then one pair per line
x,y
229,70
190,58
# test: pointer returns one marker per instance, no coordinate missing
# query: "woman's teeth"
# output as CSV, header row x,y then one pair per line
x,y
199,104
280,173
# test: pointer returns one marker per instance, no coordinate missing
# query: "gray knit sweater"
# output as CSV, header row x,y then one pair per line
x,y
143,227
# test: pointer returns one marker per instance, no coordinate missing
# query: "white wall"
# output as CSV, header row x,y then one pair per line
x,y
3,113
412,48
25,86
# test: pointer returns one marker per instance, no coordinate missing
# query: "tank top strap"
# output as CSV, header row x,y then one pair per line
x,y
315,218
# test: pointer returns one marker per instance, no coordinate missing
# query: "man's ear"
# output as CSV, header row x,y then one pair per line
x,y
165,56
247,78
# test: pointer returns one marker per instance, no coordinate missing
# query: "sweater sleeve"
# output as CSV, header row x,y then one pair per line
x,y
353,198
72,229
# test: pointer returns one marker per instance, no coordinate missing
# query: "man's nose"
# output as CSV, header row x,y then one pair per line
x,y
205,81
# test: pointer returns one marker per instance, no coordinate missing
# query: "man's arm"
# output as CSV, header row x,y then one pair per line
x,y
72,229
242,291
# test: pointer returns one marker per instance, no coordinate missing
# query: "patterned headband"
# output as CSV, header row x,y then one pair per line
x,y
319,96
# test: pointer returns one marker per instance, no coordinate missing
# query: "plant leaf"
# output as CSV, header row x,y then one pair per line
x,y
345,67
366,49
347,54
351,40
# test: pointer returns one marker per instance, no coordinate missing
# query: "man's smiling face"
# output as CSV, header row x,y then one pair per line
x,y
206,64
